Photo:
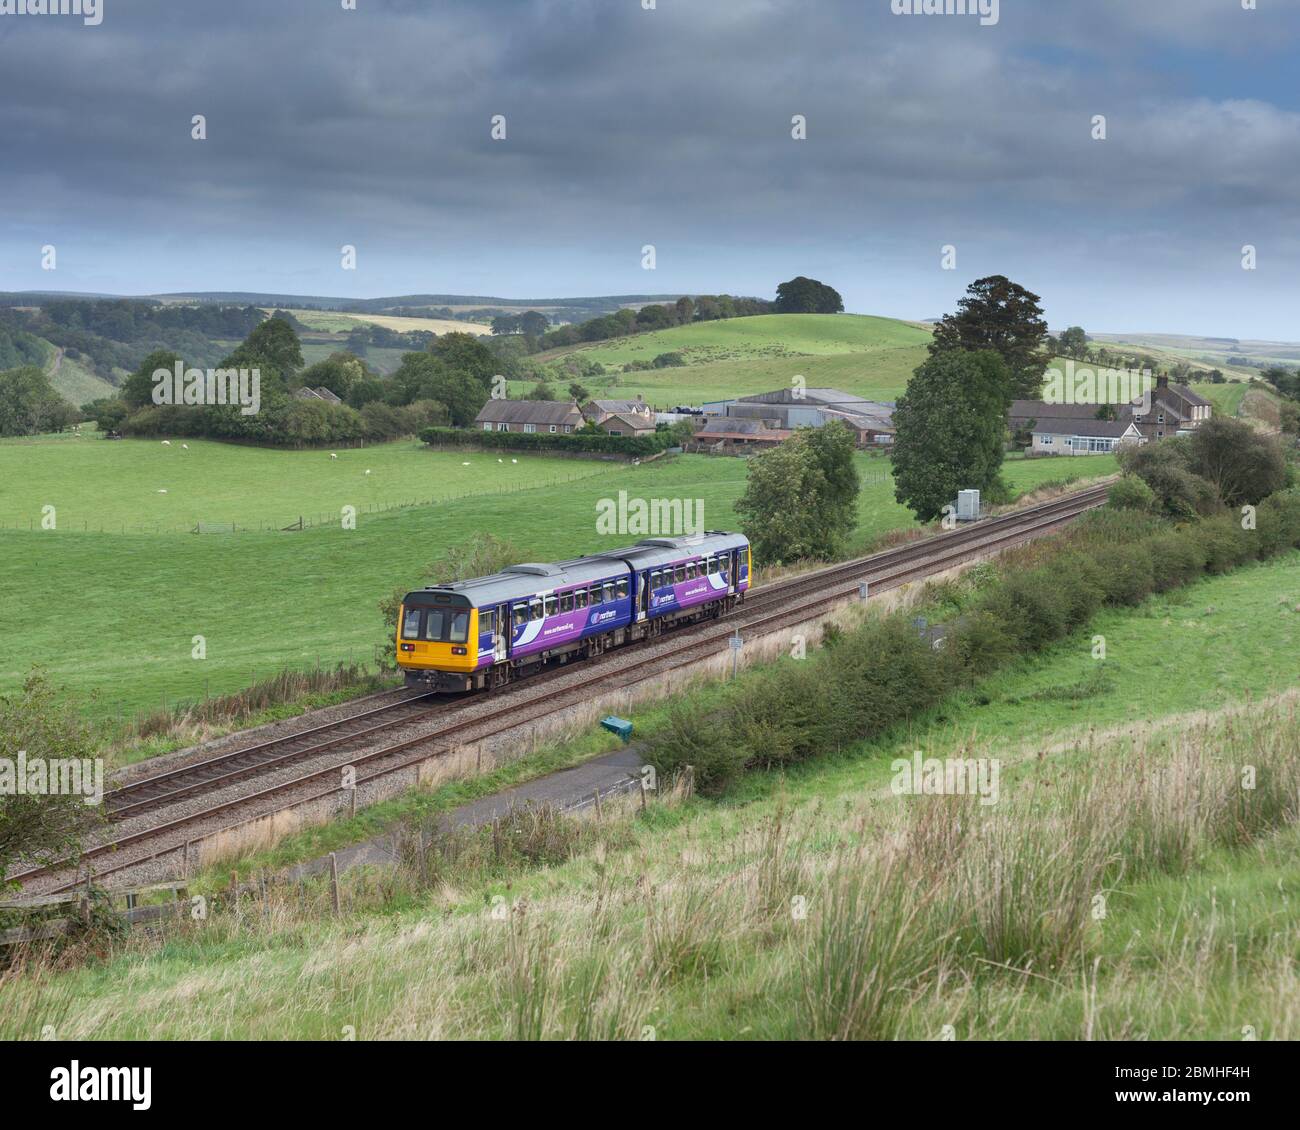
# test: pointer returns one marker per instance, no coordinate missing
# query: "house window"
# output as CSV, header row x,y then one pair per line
x,y
615,432
487,426
503,427
530,428
568,427
552,428
1160,419
1047,441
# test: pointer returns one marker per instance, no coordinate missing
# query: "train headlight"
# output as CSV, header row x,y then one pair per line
x,y
408,647
460,651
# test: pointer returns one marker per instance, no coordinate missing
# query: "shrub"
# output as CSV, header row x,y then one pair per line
x,y
1131,493
1127,573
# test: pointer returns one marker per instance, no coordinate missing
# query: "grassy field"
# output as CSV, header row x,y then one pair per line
x,y
112,615
333,322
113,486
816,904
871,357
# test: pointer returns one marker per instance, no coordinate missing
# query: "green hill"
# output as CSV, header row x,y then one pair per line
x,y
873,357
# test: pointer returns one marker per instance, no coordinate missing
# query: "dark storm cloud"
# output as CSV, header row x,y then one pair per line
x,y
671,127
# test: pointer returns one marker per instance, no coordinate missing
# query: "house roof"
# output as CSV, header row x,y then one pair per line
x,y
737,427
1099,429
636,421
1042,410
526,412
615,406
321,393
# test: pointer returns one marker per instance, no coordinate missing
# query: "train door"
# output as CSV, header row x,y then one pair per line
x,y
643,594
504,628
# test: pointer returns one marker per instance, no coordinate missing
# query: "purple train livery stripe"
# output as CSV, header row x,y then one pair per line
x,y
555,631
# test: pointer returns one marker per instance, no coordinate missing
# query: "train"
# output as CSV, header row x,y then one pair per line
x,y
483,633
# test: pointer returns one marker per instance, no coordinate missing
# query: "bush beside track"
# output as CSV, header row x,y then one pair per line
x,y
873,677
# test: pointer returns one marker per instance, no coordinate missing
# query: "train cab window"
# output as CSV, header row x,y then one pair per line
x,y
459,627
411,624
609,592
433,624
581,597
622,588
566,602
521,614
535,608
681,573
487,622
552,605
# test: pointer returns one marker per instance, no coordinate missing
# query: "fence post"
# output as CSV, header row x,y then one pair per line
x,y
334,882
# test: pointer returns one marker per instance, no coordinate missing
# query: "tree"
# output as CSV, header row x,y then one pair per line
x,y
275,344
30,405
950,427
137,389
42,828
807,296
465,352
998,314
532,323
579,392
1074,343
1244,465
425,376
338,372
800,500
540,391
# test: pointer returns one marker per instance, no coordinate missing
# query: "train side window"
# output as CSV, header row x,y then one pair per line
x,y
622,588
487,622
411,624
713,566
535,608
521,614
681,573
655,578
552,605
581,597
595,595
433,624
724,565
609,592
690,571
566,602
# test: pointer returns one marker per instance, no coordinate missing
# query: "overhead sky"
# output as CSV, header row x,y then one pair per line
x,y
628,125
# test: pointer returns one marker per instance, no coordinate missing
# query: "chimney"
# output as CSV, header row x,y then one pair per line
x,y
1162,382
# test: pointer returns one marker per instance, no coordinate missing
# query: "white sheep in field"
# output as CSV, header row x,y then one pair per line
x,y
186,446
514,461
167,443
163,491
464,464
367,470
333,456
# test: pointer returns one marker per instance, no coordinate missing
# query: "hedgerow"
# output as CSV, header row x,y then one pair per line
x,y
593,443
865,680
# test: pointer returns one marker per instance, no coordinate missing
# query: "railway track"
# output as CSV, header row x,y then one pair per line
x,y
786,602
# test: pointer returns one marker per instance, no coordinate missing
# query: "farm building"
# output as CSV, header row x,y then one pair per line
x,y
600,410
786,409
322,393
626,423
551,416
724,435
